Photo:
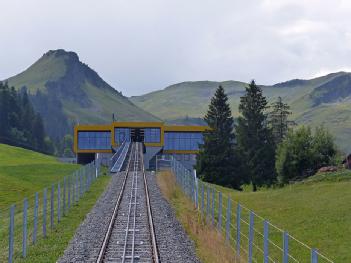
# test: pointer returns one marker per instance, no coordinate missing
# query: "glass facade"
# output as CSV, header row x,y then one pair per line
x,y
122,134
186,141
152,135
94,140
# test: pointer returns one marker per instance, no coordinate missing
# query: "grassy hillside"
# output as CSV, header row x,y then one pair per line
x,y
23,172
324,100
35,77
316,211
66,91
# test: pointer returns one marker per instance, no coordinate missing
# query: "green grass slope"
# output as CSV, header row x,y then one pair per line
x,y
320,101
24,172
68,87
316,212
35,77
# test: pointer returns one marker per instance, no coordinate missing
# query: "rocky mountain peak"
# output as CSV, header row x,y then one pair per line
x,y
62,53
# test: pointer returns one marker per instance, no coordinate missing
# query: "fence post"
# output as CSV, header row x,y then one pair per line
x,y
35,225
77,187
265,242
52,207
89,177
68,192
74,181
213,206
208,201
238,218
11,232
220,211
44,211
96,169
196,191
80,183
84,179
58,202
64,196
227,229
202,199
24,230
285,247
251,234
314,256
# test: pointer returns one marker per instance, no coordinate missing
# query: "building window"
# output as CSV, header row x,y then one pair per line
x,y
94,140
121,135
152,135
186,141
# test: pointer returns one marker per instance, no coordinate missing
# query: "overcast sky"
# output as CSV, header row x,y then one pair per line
x,y
141,46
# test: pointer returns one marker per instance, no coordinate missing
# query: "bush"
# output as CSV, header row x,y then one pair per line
x,y
302,153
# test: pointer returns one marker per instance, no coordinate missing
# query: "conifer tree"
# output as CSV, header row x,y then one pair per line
x,y
217,162
255,140
38,132
278,119
19,123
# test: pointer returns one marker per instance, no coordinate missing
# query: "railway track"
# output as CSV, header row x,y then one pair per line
x,y
130,236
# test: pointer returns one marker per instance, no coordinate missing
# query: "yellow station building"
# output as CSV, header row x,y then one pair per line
x,y
159,138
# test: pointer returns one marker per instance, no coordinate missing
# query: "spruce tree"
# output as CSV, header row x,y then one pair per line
x,y
217,162
19,123
5,109
255,140
38,132
278,119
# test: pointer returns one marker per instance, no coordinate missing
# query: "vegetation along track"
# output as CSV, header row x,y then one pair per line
x,y
130,236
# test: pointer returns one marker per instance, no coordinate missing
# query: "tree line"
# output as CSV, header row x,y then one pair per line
x,y
21,125
261,147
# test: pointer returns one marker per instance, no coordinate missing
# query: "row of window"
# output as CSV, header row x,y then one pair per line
x,y
188,141
151,135
91,140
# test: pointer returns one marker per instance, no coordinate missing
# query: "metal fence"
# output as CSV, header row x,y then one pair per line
x,y
252,237
24,223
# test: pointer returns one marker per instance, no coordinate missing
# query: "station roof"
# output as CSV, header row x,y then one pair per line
x,y
162,125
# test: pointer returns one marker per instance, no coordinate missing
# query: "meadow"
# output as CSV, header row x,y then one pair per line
x,y
24,172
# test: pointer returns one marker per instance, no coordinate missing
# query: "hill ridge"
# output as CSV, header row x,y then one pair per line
x,y
65,91
324,100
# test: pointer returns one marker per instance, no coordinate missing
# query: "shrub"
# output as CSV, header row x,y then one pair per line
x,y
302,153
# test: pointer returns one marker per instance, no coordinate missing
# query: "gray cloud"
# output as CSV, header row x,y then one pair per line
x,y
139,46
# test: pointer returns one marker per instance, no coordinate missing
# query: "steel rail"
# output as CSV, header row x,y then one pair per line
x,y
133,189
156,258
135,203
136,161
114,215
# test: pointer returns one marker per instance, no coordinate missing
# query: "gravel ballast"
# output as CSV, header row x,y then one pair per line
x,y
173,243
84,247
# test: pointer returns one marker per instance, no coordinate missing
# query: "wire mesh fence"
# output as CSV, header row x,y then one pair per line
x,y
252,237
23,223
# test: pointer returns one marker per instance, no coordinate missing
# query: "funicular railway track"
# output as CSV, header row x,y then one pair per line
x,y
130,236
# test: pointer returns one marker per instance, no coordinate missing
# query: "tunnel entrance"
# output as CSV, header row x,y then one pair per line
x,y
137,135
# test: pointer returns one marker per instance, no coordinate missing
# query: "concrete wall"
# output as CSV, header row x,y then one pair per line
x,y
150,154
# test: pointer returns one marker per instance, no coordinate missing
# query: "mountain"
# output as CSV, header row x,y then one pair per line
x,y
66,91
324,101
